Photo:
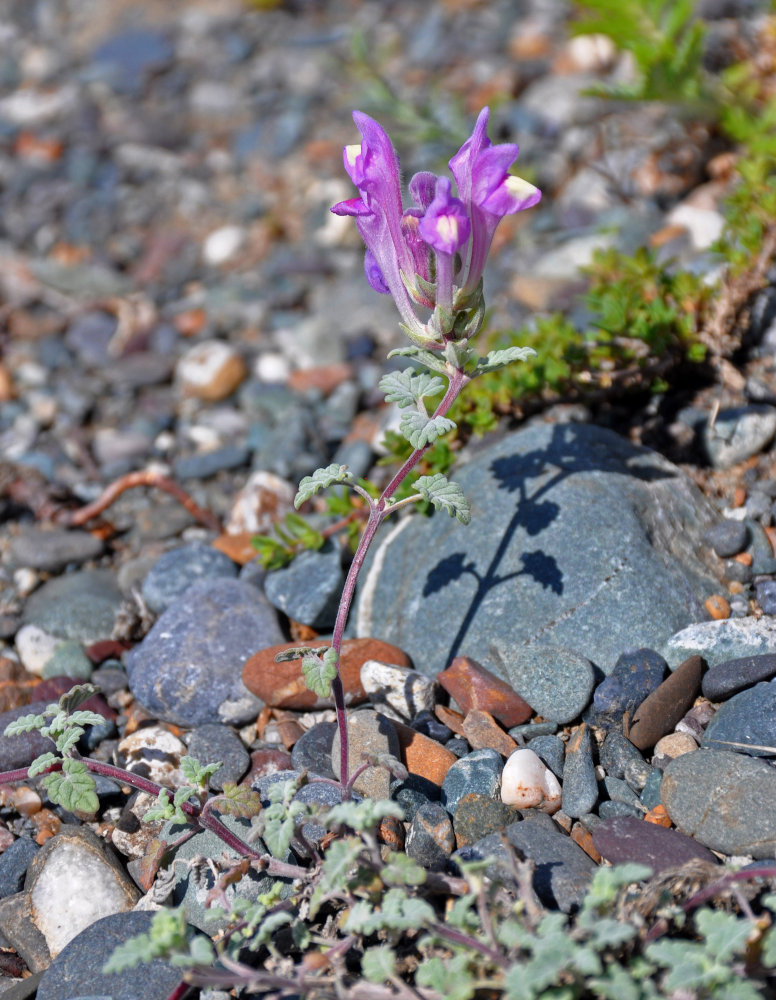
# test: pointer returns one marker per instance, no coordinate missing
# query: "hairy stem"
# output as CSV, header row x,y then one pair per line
x,y
378,510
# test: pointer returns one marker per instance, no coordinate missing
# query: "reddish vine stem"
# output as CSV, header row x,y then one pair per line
x,y
145,478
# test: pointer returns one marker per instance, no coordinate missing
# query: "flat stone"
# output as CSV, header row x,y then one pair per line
x,y
214,742
14,862
746,723
473,686
430,838
174,572
404,692
54,549
423,756
478,815
620,791
208,463
479,771
282,685
482,730
716,642
72,881
732,676
69,659
80,606
737,434
636,674
563,870
557,682
727,537
660,712
76,974
725,800
551,750
537,543
371,733
187,669
308,589
617,753
580,788
625,839
312,751
21,750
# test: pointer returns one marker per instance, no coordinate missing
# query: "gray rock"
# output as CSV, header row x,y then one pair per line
x,y
563,870
479,771
651,794
725,800
14,862
190,662
79,606
746,723
21,750
126,60
538,543
552,751
636,674
732,676
718,641
430,838
51,551
766,596
312,751
616,753
737,434
555,681
761,550
213,742
370,733
77,971
69,660
580,788
202,466
612,808
309,588
627,839
174,572
619,790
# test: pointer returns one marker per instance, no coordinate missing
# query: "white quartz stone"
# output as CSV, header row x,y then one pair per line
x,y
527,783
405,691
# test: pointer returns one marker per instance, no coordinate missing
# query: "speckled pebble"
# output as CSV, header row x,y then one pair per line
x,y
616,753
430,838
556,682
746,723
308,589
404,692
580,788
552,750
478,815
732,676
175,571
213,742
674,745
727,538
636,674
371,733
479,771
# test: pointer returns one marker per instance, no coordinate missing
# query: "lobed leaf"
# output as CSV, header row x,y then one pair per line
x,y
195,773
319,480
378,964
25,724
76,696
239,800
500,359
421,430
68,739
41,763
320,670
428,359
445,495
406,388
72,787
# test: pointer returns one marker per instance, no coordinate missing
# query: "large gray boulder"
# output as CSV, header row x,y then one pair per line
x,y
579,540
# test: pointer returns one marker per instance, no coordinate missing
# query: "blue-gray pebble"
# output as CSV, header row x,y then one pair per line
x,y
174,572
479,771
308,590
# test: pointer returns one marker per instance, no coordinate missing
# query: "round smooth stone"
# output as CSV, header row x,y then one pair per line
x,y
527,783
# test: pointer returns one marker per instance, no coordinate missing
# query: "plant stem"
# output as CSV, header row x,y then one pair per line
x,y
378,510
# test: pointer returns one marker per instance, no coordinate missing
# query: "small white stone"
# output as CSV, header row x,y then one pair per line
x,y
592,53
703,224
271,366
405,691
25,580
210,370
163,763
264,499
675,745
35,647
222,244
527,783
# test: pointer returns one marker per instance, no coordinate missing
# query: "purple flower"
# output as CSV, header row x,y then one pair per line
x,y
488,191
445,225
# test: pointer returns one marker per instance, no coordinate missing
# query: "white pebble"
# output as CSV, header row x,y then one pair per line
x,y
271,366
527,783
159,750
405,691
264,499
35,647
222,244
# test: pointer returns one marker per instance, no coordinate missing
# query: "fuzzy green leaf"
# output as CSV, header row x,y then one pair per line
x,y
195,773
76,696
319,671
167,934
319,480
41,763
341,855
72,787
428,359
378,964
364,815
421,430
500,359
162,810
451,977
67,740
25,724
239,800
402,870
445,495
279,826
407,387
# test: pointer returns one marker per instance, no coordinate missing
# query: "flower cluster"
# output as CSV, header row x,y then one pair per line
x,y
433,253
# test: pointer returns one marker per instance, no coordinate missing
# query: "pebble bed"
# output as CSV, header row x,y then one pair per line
x,y
178,302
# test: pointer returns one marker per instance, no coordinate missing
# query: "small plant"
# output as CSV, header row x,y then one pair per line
x,y
430,258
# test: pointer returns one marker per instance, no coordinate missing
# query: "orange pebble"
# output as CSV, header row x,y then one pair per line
x,y
658,816
739,496
717,607
745,558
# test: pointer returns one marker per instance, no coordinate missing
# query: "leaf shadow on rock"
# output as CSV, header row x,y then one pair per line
x,y
564,456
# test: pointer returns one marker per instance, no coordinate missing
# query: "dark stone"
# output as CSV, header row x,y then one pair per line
x,y
746,723
580,787
659,713
479,771
616,752
478,815
428,725
724,800
174,572
21,751
727,538
126,60
766,596
52,550
620,791
636,674
430,838
732,676
14,862
209,463
626,839
552,751
187,670
609,809
214,742
555,681
312,751
651,794
308,590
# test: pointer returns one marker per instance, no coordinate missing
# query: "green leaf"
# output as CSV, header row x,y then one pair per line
x,y
72,787
361,816
319,480
167,934
197,774
238,800
500,359
76,696
340,858
295,653
427,359
25,724
41,763
319,671
280,825
378,964
422,430
451,977
407,387
67,740
402,870
163,810
725,934
445,495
